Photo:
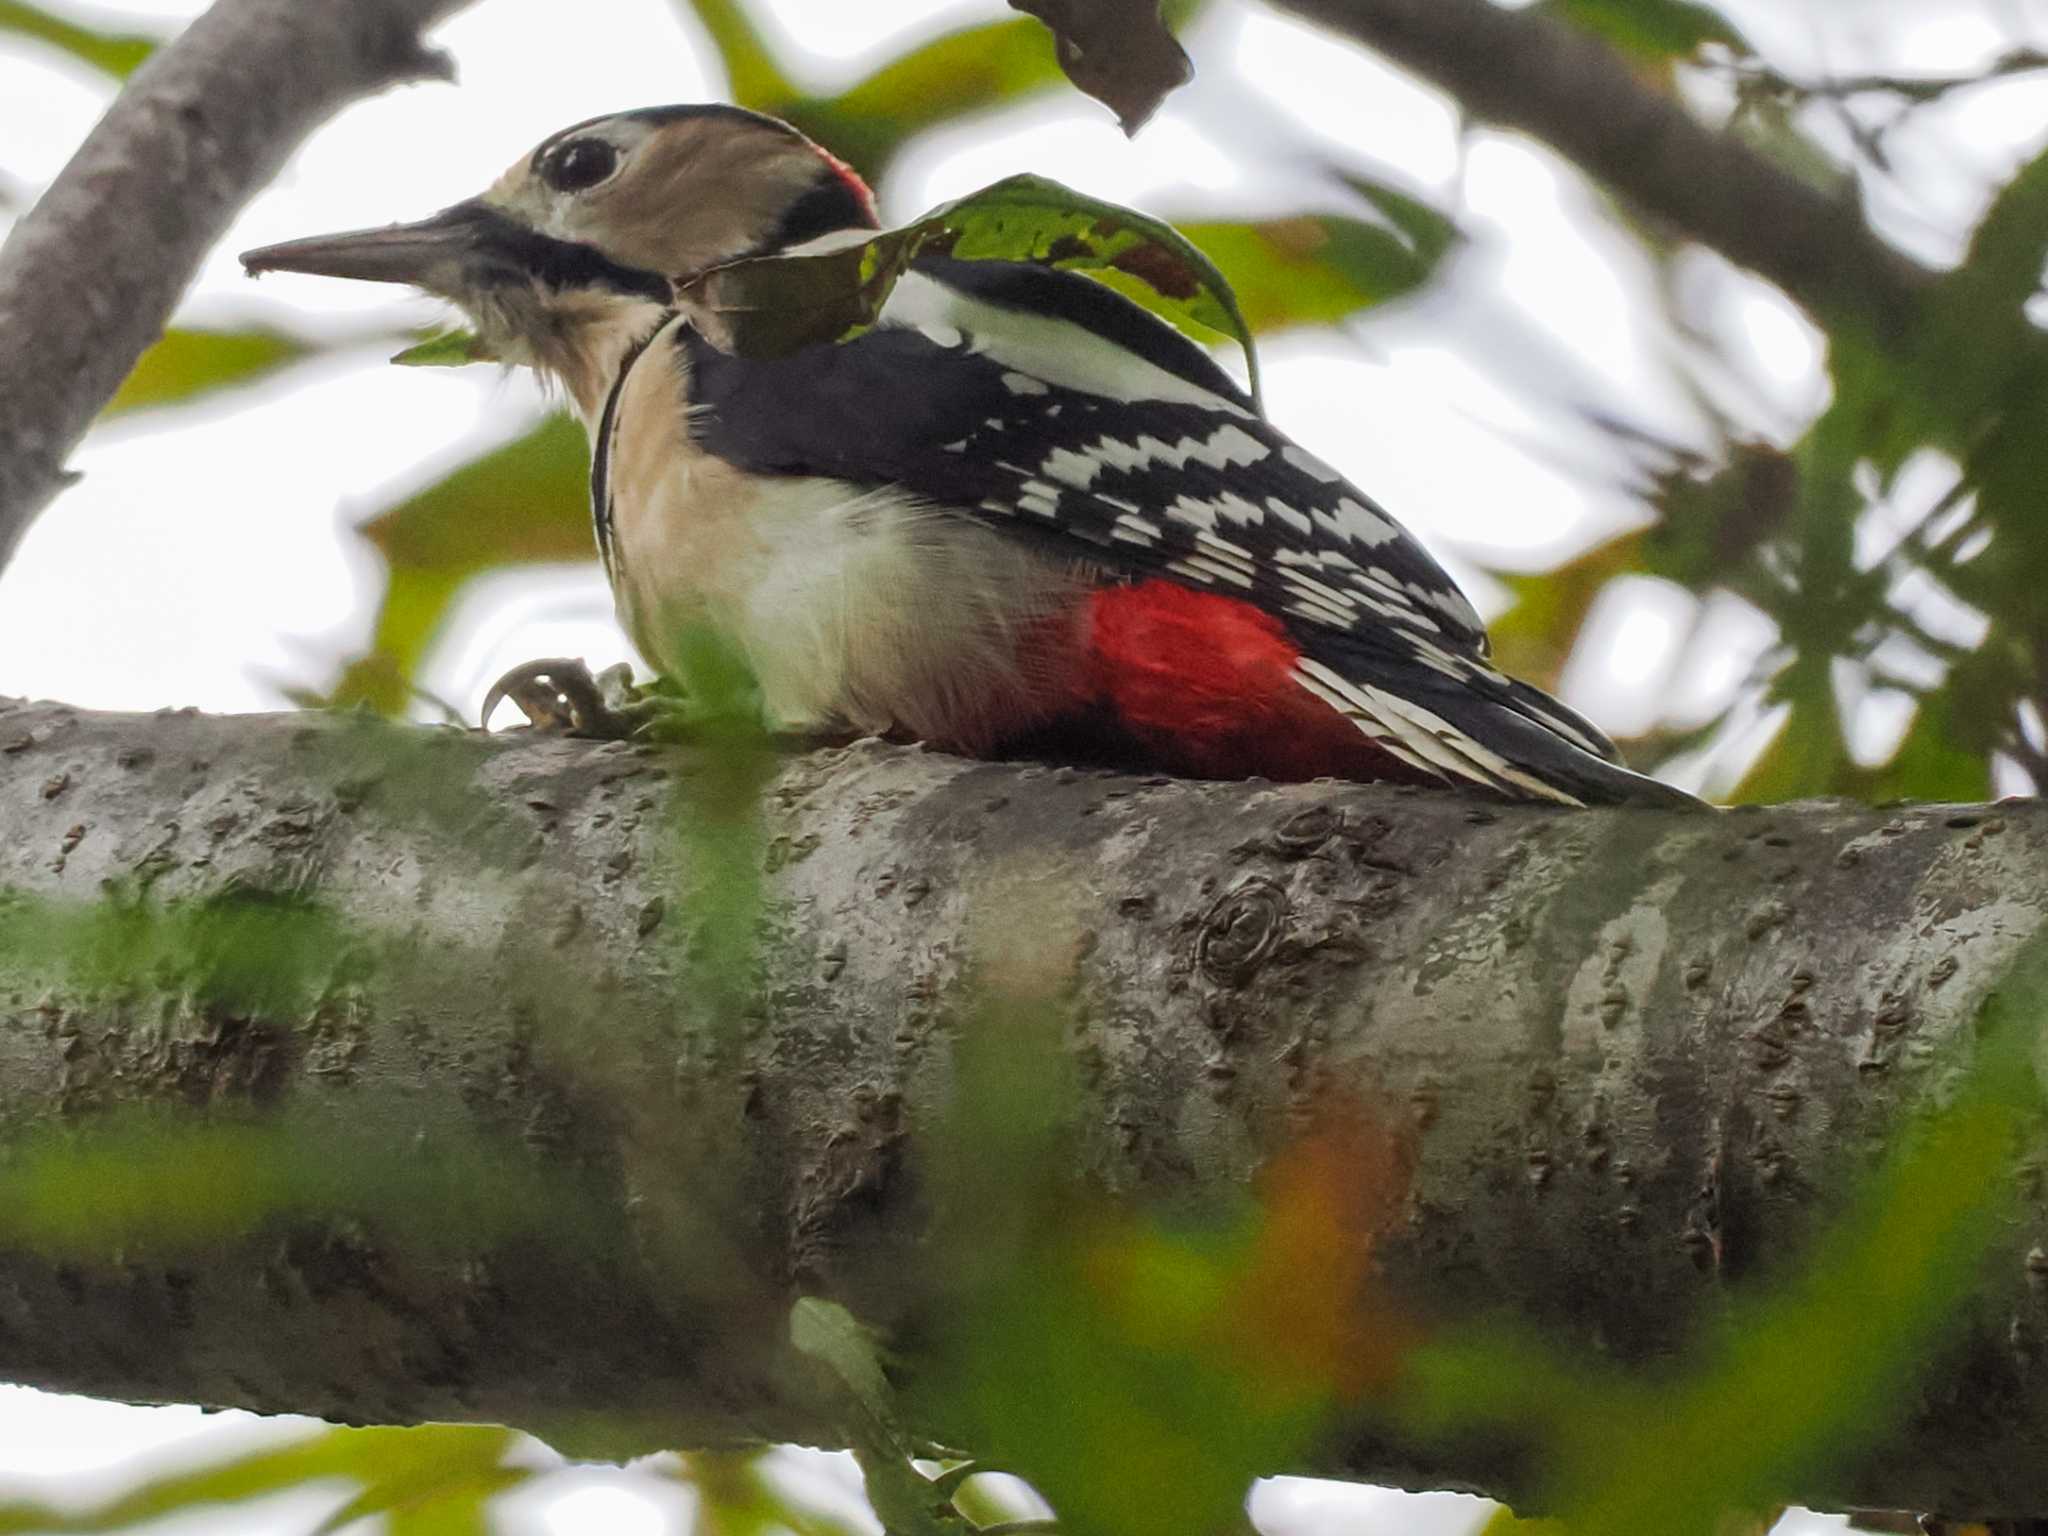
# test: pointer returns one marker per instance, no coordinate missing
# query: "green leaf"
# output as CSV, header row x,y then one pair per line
x,y
1975,345
450,349
1711,525
774,305
527,502
754,76
1651,29
1311,269
1936,760
187,364
461,1509
737,1496
827,1333
374,1457
1808,755
441,1489
970,70
1032,218
115,53
974,69
850,1358
1534,638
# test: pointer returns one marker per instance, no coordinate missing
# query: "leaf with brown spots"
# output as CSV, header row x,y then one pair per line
x,y
773,305
1118,51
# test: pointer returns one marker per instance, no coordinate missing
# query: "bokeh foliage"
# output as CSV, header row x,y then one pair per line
x,y
115,53
1198,1350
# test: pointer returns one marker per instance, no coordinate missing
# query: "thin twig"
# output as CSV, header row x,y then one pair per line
x,y
1525,70
1754,79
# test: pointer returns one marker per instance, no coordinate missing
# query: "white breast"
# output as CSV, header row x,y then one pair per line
x,y
856,607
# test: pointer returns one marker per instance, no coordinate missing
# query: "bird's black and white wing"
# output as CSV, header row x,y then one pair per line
x,y
1051,406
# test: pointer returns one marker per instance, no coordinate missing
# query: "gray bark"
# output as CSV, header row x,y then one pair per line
x,y
1560,85
1640,1056
90,274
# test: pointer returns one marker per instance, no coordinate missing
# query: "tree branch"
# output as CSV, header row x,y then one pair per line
x,y
1640,1056
1531,72
89,276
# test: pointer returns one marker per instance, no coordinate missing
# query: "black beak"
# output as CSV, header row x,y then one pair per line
x,y
440,254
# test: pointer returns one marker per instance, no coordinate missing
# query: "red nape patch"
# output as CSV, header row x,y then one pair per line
x,y
851,180
1203,684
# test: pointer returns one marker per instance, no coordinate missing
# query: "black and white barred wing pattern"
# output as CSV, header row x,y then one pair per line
x,y
1060,410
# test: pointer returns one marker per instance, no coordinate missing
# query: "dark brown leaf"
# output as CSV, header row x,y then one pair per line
x,y
1118,51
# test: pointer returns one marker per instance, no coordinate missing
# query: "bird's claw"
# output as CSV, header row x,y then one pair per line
x,y
558,694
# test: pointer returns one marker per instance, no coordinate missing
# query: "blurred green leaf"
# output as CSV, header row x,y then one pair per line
x,y
186,364
1979,373
1311,269
461,1509
1650,29
147,1183
754,76
409,615
1138,1368
974,69
440,1487
930,84
737,1497
1809,754
717,830
116,54
1781,532
526,502
1936,761
1713,524
848,1358
1141,1373
1975,341
246,951
1534,638
450,349
375,1458
850,1353
1769,126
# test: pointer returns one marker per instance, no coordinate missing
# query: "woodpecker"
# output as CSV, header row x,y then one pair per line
x,y
1018,515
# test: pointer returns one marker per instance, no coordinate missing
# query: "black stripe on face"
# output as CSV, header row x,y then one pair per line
x,y
506,252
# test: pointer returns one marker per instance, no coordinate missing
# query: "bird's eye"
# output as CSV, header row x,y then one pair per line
x,y
578,164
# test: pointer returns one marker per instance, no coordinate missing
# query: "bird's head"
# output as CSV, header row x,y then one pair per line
x,y
572,255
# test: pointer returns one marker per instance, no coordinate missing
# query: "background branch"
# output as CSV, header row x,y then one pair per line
x,y
1528,71
90,275
1640,1058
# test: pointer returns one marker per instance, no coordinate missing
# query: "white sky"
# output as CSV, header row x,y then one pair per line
x,y
208,557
